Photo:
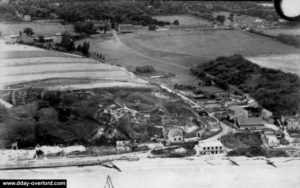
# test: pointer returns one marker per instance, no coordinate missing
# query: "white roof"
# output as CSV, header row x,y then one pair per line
x,y
210,144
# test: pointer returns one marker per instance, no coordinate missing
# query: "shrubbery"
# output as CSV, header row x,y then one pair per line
x,y
84,27
145,69
273,89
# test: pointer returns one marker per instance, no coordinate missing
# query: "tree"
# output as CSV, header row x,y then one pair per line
x,y
67,42
79,47
221,18
41,38
176,22
85,48
28,31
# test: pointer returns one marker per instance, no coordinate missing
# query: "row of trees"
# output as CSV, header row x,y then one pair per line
x,y
66,44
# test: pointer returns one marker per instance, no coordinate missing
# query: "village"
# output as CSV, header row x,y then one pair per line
x,y
179,121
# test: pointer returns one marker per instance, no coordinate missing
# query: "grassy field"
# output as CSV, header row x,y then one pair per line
x,y
184,20
45,29
275,32
26,64
208,44
178,50
286,63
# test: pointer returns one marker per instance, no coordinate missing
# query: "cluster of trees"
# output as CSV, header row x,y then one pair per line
x,y
117,11
273,89
144,69
28,31
84,27
7,12
84,48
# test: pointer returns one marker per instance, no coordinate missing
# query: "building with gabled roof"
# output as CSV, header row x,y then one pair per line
x,y
250,123
125,28
209,148
175,135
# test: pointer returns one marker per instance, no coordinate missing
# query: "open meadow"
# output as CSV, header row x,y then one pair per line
x,y
275,32
177,50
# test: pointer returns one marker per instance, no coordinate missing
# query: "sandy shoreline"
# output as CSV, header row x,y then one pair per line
x,y
183,172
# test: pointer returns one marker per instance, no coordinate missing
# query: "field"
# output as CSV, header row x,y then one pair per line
x,y
286,63
46,29
275,32
26,64
177,50
184,20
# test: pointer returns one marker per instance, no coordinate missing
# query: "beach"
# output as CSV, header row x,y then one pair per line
x,y
176,172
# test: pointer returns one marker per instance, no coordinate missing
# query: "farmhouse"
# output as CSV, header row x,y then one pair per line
x,y
12,39
293,123
175,135
124,145
271,137
266,114
250,123
125,28
57,38
213,91
27,18
236,112
209,148
26,39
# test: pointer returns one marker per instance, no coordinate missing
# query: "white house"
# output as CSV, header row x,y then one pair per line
x,y
175,135
272,140
12,39
27,18
209,148
124,145
293,123
266,114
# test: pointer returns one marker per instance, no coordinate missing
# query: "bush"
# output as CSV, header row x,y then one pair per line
x,y
176,22
145,69
28,31
84,27
273,89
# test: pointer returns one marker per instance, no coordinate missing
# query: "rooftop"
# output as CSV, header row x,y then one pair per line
x,y
210,144
211,90
251,121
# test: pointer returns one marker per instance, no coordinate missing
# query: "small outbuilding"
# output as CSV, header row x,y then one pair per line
x,y
125,28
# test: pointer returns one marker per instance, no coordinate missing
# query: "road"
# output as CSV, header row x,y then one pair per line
x,y
225,129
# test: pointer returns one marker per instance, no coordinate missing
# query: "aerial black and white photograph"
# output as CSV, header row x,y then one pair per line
x,y
150,94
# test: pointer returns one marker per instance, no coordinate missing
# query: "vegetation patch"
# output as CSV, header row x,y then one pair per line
x,y
242,140
273,89
147,69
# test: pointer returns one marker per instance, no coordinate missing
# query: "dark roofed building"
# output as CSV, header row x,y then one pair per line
x,y
214,91
125,28
250,123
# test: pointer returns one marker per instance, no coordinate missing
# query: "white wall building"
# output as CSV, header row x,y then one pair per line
x,y
209,148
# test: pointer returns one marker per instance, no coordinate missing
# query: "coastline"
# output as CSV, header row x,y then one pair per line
x,y
174,172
